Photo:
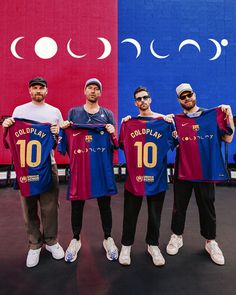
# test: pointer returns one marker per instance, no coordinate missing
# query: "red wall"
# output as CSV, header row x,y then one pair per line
x,y
82,21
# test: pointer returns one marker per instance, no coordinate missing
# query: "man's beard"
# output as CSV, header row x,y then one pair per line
x,y
189,106
144,107
38,97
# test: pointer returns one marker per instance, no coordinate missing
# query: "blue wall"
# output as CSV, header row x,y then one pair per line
x,y
170,23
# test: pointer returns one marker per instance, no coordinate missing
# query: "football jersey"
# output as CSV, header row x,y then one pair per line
x,y
91,167
199,155
146,142
30,143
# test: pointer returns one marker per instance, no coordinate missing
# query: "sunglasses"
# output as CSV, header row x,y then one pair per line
x,y
183,97
145,97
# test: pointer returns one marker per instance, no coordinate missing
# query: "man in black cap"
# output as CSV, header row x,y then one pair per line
x,y
91,113
38,110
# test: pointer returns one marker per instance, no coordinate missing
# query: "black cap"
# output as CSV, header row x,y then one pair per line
x,y
38,81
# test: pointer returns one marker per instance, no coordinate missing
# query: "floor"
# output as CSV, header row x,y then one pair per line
x,y
189,272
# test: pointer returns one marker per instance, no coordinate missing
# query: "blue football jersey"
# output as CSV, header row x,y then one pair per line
x,y
30,144
146,142
91,161
199,156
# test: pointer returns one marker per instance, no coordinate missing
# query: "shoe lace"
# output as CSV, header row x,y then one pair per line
x,y
156,251
174,240
215,250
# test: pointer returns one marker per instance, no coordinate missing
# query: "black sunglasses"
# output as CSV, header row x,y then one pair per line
x,y
145,97
183,97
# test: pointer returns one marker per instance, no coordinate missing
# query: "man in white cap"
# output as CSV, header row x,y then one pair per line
x,y
91,113
189,126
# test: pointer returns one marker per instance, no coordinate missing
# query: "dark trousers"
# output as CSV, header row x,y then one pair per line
x,y
77,207
46,230
205,197
132,205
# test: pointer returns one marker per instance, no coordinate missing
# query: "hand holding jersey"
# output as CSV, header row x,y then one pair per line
x,y
146,140
36,170
198,164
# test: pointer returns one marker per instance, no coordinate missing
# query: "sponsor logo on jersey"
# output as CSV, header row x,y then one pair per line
x,y
144,178
29,178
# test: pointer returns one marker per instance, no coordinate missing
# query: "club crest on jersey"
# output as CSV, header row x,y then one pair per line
x,y
196,127
88,138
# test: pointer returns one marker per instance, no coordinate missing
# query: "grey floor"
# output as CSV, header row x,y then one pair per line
x,y
189,272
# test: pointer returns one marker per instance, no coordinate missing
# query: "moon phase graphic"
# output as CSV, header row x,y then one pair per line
x,y
155,54
13,48
135,43
224,42
189,42
107,48
73,54
46,48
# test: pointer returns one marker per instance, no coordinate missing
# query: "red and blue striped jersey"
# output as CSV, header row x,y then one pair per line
x,y
91,161
146,142
199,155
30,144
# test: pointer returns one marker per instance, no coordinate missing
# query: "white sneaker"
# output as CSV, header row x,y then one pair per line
x,y
56,250
124,257
216,254
33,257
72,250
157,257
174,244
111,249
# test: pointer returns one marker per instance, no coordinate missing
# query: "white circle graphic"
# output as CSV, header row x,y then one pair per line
x,y
45,47
224,42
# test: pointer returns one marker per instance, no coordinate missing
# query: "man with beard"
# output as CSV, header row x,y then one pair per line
x,y
38,110
91,113
200,133
135,188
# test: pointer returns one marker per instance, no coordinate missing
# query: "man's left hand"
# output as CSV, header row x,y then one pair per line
x,y
227,110
54,129
110,128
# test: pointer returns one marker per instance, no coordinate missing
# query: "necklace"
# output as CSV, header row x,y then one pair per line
x,y
90,115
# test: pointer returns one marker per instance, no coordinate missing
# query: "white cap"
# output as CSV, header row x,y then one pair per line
x,y
182,88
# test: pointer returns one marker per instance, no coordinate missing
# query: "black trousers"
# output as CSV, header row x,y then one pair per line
x,y
132,206
77,207
205,197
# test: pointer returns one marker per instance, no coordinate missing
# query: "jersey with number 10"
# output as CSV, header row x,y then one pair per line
x,y
91,167
146,142
30,143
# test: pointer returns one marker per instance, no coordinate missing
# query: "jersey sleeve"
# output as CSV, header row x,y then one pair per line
x,y
173,142
223,122
121,136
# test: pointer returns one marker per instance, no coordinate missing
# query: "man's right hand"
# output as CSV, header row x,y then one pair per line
x,y
8,122
65,124
125,119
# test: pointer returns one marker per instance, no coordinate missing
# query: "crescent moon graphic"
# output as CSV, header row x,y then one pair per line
x,y
218,49
155,54
107,48
73,54
13,47
189,42
135,43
